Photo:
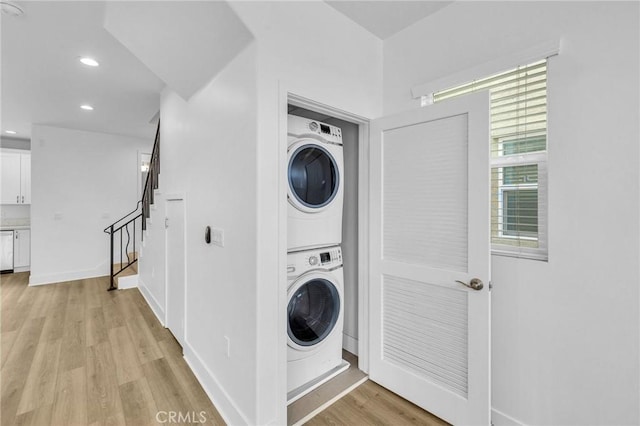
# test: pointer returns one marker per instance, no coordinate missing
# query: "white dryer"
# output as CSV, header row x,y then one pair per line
x,y
314,319
316,184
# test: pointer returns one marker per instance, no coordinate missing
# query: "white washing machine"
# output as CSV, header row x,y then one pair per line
x,y
316,184
314,319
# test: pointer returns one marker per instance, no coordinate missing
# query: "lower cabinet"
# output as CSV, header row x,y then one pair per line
x,y
21,248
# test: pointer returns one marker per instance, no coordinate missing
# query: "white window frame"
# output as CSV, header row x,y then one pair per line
x,y
538,158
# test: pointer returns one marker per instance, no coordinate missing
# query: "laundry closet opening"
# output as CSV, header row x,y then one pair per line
x,y
323,249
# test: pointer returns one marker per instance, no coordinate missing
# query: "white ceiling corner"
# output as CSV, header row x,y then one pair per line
x,y
44,83
184,43
386,18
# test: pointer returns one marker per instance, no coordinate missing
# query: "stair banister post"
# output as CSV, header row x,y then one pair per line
x,y
111,286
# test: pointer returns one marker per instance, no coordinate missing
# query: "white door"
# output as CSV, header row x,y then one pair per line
x,y
175,269
430,228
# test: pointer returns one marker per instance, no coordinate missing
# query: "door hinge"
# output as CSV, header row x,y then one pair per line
x,y
490,285
166,222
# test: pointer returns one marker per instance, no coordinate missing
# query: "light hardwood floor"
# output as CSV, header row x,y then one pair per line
x,y
74,354
371,404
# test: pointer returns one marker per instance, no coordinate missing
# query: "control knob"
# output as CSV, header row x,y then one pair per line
x,y
313,260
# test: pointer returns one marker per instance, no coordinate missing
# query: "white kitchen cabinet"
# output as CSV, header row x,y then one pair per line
x,y
21,248
15,174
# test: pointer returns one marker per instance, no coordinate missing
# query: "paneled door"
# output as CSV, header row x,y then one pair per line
x,y
430,258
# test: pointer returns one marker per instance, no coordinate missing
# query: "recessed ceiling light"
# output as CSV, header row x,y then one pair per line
x,y
89,62
87,107
11,132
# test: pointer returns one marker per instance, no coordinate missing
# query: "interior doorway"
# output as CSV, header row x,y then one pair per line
x,y
354,175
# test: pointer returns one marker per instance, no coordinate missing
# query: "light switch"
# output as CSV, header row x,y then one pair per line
x,y
217,236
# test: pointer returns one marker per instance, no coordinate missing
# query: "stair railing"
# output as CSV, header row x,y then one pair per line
x,y
127,223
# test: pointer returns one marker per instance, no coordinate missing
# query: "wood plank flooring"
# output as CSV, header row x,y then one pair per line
x,y
74,354
371,404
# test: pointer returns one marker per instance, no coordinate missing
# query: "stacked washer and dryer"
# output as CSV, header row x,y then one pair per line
x,y
314,263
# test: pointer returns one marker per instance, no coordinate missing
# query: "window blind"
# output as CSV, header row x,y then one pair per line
x,y
518,142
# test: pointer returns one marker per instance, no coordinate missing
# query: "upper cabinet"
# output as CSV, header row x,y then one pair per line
x,y
15,174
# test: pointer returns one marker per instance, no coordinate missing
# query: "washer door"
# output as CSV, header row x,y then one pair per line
x,y
312,312
313,176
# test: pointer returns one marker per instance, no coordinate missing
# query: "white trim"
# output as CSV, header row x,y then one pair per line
x,y
350,344
363,247
99,271
151,301
230,413
499,418
522,57
309,104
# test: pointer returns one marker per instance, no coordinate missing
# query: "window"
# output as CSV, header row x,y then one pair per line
x,y
518,157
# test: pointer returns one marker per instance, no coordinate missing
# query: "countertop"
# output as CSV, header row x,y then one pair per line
x,y
15,224
14,227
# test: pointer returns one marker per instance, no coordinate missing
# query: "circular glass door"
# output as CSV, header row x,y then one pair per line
x,y
313,176
313,312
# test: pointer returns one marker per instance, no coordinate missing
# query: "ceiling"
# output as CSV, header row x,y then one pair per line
x,y
385,18
43,81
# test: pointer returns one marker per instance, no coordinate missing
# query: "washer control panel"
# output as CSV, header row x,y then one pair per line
x,y
298,126
323,258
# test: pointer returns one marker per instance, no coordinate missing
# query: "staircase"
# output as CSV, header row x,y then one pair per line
x,y
122,233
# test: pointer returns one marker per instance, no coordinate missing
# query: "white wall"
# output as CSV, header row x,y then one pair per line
x,y
565,332
81,182
157,30
208,155
309,49
224,150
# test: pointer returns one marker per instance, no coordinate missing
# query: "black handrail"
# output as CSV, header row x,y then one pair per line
x,y
107,229
146,201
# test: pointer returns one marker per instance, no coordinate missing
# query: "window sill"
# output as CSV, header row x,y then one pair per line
x,y
543,257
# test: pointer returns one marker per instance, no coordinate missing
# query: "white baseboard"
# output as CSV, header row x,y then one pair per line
x,y
216,393
21,269
61,277
151,301
129,281
499,418
350,344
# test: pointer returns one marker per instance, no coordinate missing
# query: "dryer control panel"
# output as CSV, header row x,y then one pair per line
x,y
298,126
323,258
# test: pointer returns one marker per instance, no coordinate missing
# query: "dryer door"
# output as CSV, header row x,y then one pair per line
x,y
313,311
313,176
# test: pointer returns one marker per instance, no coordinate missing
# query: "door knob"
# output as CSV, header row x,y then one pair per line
x,y
475,284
